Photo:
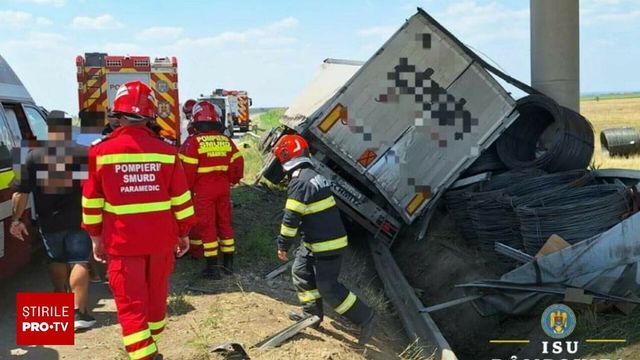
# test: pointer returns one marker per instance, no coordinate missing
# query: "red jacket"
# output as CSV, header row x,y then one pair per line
x,y
136,196
211,162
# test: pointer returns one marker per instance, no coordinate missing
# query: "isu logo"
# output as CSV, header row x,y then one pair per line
x,y
558,321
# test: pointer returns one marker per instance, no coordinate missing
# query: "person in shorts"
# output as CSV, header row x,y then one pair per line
x,y
52,171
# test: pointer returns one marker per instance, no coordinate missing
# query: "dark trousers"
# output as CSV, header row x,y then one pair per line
x,y
316,278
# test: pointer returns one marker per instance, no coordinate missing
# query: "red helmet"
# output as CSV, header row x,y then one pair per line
x,y
187,107
291,151
205,111
137,99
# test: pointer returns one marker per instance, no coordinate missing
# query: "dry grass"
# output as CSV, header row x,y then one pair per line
x,y
624,112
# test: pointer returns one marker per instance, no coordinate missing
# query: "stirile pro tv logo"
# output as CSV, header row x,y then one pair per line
x,y
44,319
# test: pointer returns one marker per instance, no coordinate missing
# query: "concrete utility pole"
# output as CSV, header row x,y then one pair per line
x,y
555,50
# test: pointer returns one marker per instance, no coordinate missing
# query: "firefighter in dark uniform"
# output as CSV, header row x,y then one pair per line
x,y
311,211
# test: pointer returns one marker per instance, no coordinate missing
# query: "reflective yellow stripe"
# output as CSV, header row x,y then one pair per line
x,y
155,337
321,205
195,242
288,231
137,208
96,203
91,219
308,296
136,337
307,209
211,253
185,213
144,352
5,179
295,205
227,249
346,304
157,325
187,159
235,156
210,245
135,158
209,169
179,200
227,242
328,245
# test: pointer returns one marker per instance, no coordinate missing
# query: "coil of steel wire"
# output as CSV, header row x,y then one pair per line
x,y
620,141
573,214
539,188
488,217
546,136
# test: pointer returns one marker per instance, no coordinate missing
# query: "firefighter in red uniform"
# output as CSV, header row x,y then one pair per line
x,y
311,210
212,164
137,208
187,109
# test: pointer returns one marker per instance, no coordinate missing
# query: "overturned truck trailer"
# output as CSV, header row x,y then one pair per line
x,y
402,129
395,133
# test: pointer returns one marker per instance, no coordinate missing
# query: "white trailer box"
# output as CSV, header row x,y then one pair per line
x,y
411,119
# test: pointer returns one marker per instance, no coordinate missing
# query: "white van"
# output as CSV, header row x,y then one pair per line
x,y
20,119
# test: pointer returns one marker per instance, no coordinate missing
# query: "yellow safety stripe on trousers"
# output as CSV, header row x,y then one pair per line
x,y
328,245
235,156
91,219
309,296
210,245
95,203
227,242
227,249
155,337
144,352
195,242
208,169
135,158
346,304
157,325
188,160
211,253
185,213
307,209
181,199
137,208
136,337
288,231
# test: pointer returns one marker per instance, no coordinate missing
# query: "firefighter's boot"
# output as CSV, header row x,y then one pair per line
x,y
211,271
366,330
227,264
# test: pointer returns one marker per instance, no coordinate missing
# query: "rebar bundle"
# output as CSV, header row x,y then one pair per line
x,y
573,214
620,141
488,216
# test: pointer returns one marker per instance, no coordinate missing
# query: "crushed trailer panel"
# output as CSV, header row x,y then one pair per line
x,y
413,117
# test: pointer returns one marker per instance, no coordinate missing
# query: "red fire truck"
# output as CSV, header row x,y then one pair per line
x,y
100,75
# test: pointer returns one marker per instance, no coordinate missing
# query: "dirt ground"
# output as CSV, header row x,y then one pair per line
x,y
244,309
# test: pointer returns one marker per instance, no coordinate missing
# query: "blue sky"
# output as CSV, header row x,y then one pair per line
x,y
273,48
